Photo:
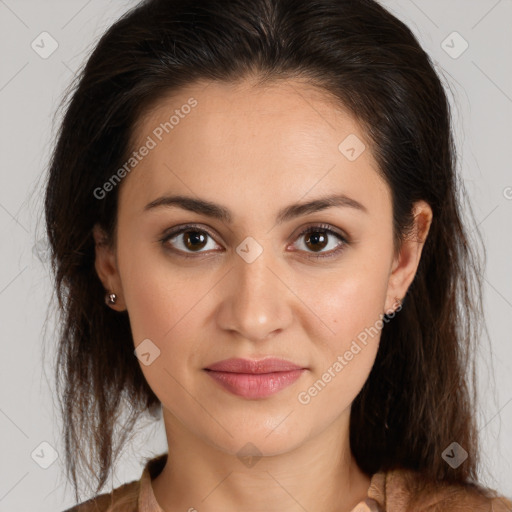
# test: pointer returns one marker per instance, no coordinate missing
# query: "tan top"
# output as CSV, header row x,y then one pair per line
x,y
398,490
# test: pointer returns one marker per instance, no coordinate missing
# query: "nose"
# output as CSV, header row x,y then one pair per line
x,y
256,302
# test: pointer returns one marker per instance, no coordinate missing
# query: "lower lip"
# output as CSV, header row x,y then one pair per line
x,y
255,385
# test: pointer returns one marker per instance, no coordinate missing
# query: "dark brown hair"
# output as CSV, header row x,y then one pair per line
x,y
421,393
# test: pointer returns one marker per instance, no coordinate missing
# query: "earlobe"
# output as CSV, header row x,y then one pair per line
x,y
406,264
106,268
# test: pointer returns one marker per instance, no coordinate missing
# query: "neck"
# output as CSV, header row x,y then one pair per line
x,y
320,474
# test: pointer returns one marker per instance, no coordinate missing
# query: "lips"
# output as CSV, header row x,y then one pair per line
x,y
254,379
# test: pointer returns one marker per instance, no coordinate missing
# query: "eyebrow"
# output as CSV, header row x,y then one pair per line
x,y
287,213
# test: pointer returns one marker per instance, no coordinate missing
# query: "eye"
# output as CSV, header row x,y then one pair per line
x,y
190,239
318,237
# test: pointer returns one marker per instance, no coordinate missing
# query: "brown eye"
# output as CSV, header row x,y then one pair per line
x,y
194,239
317,238
188,239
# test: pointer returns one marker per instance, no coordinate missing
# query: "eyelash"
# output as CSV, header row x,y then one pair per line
x,y
323,228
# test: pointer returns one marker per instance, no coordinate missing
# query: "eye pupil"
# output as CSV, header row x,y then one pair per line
x,y
194,237
316,237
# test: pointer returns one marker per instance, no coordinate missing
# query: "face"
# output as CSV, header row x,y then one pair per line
x,y
253,283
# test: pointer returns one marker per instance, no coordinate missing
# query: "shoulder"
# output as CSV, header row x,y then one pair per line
x,y
121,499
405,490
126,498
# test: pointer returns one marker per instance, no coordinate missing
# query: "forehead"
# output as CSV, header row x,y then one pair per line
x,y
279,109
277,141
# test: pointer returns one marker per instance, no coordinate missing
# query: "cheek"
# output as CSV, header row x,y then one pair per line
x,y
163,309
350,306
153,298
344,354
350,301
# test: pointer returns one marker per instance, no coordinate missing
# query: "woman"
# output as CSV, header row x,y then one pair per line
x,y
207,148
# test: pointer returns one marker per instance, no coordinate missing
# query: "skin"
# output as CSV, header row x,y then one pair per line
x,y
254,151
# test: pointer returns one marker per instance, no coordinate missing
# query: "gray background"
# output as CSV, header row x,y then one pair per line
x,y
480,90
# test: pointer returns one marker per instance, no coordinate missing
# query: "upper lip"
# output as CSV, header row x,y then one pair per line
x,y
239,365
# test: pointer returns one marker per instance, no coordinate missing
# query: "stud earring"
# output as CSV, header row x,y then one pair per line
x,y
110,298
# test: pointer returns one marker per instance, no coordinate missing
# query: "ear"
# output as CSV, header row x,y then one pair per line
x,y
406,263
106,267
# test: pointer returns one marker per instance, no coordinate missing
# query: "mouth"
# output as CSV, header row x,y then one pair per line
x,y
253,379
255,385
